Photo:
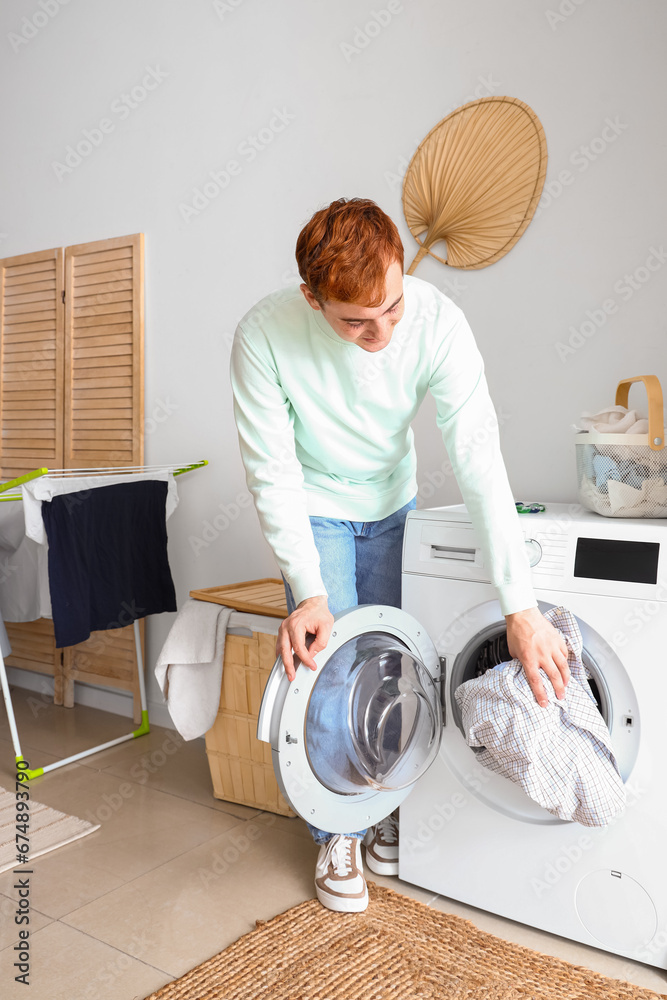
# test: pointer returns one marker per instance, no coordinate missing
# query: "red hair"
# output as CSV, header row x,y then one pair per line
x,y
344,251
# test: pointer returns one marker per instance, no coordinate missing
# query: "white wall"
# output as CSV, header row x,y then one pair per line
x,y
353,119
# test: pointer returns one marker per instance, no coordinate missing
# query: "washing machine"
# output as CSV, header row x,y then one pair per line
x,y
473,835
387,679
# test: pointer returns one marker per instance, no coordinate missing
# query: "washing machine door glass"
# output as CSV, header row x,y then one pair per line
x,y
373,717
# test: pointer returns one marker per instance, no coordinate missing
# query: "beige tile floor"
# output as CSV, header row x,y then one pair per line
x,y
173,875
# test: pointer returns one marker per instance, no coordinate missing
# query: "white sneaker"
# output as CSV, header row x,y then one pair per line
x,y
381,842
339,876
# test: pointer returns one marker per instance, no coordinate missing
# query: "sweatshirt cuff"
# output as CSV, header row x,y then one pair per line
x,y
307,583
516,597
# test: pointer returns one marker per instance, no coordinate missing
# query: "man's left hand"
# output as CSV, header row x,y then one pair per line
x,y
533,641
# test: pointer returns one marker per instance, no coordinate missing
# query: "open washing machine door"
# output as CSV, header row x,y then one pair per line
x,y
350,739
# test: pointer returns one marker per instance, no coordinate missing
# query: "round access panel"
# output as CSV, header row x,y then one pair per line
x,y
616,910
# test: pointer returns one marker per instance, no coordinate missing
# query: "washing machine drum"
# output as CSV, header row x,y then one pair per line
x,y
350,739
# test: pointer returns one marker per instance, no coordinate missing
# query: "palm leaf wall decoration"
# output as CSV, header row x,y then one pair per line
x,y
475,182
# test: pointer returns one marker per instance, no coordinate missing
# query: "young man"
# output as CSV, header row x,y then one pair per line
x,y
327,378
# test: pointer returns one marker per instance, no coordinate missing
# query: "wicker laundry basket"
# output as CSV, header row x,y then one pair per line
x,y
241,766
625,475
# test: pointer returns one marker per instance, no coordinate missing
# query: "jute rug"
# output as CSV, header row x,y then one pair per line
x,y
398,949
48,829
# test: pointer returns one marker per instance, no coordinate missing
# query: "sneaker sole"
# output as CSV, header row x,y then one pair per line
x,y
341,905
381,867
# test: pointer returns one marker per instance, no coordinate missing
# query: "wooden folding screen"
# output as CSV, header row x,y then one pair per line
x,y
104,355
71,396
32,359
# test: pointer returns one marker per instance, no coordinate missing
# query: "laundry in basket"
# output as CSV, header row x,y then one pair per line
x,y
621,457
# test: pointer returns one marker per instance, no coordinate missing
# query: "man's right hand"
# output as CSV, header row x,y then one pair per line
x,y
313,616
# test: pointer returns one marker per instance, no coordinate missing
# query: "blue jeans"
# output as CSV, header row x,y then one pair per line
x,y
360,563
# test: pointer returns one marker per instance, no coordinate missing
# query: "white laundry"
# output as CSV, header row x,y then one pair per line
x,y
46,487
5,645
24,578
623,500
560,755
614,420
189,667
652,494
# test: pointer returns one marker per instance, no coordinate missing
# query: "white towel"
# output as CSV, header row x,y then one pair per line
x,y
652,496
189,667
614,420
5,645
24,575
47,487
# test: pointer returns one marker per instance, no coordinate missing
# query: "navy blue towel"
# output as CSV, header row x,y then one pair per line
x,y
108,561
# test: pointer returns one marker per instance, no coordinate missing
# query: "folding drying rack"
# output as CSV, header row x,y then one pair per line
x,y
8,492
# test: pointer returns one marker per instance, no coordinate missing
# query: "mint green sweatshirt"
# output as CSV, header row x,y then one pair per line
x,y
324,429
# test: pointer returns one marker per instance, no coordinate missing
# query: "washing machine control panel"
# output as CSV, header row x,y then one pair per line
x,y
553,544
567,547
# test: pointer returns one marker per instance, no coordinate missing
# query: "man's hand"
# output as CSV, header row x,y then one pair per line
x,y
313,616
537,644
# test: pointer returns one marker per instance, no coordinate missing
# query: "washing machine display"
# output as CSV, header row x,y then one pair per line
x,y
472,835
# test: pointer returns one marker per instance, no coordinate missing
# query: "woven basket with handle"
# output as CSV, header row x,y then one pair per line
x,y
625,475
